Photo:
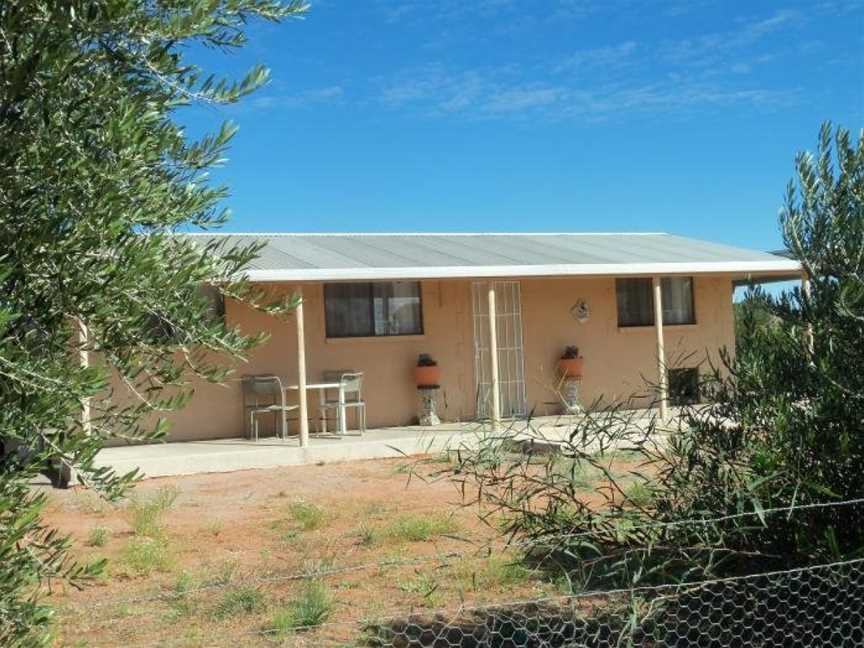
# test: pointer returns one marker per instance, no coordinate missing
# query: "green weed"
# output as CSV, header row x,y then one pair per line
x,y
366,535
144,555
311,607
417,528
422,584
181,602
640,494
309,516
243,599
98,536
145,512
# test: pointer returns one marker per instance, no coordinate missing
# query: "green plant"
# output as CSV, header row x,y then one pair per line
x,y
97,173
570,353
780,427
243,599
145,554
317,567
180,600
98,536
223,575
425,360
366,535
308,515
90,502
419,528
504,571
639,494
422,583
309,608
214,527
146,511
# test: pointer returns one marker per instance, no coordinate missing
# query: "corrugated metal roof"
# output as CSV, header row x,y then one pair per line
x,y
299,257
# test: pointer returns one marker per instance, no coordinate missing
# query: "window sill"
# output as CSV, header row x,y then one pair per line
x,y
376,338
650,327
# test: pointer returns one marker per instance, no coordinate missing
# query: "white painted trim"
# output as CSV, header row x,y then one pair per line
x,y
551,270
321,234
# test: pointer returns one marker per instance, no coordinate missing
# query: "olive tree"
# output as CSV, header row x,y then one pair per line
x,y
96,177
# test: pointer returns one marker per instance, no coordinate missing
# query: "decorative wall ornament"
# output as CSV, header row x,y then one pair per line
x,y
580,311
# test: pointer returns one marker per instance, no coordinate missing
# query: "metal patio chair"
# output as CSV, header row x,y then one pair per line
x,y
351,385
264,394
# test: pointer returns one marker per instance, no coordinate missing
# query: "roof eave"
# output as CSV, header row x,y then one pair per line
x,y
752,268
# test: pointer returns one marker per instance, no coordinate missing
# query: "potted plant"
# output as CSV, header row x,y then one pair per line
x,y
427,373
570,363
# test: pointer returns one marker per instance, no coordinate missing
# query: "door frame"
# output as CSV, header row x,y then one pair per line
x,y
511,348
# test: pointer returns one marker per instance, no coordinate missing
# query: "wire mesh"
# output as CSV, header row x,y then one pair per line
x,y
813,606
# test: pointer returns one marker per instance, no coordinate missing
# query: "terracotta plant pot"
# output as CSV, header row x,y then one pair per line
x,y
571,367
427,376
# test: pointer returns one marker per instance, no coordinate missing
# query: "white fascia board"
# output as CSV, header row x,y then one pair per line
x,y
553,270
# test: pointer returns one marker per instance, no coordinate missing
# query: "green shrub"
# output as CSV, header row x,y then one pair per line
x,y
145,512
144,555
309,516
421,583
505,571
366,535
417,528
311,607
223,575
98,536
640,494
243,599
181,602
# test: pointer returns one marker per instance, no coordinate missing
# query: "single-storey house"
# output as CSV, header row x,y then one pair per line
x,y
373,303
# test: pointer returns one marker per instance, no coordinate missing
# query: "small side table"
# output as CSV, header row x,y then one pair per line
x,y
428,414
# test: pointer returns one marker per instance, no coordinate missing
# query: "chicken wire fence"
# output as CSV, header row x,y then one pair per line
x,y
808,607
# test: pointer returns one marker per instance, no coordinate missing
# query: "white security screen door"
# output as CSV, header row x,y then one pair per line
x,y
511,362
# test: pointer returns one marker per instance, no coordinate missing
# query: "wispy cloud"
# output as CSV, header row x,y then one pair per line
x,y
713,48
450,10
612,56
304,98
707,70
492,93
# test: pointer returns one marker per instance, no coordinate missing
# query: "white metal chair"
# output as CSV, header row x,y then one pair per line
x,y
351,392
264,394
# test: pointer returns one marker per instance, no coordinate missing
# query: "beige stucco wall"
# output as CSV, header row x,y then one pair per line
x,y
615,359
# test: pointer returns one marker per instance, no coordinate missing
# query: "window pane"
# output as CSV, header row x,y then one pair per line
x,y
635,302
347,310
372,309
678,300
397,308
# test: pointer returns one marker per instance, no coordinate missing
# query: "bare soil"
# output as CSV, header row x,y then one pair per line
x,y
228,533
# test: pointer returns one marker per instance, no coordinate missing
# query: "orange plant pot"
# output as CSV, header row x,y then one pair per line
x,y
571,367
427,376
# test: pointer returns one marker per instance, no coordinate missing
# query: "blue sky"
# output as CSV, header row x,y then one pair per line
x,y
536,115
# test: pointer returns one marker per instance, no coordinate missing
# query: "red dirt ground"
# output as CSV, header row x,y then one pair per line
x,y
228,530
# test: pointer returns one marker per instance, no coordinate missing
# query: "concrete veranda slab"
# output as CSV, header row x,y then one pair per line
x,y
226,455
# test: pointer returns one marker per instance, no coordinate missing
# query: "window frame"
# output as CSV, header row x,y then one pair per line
x,y
693,320
370,285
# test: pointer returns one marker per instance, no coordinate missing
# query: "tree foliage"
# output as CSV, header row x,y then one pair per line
x,y
780,426
96,176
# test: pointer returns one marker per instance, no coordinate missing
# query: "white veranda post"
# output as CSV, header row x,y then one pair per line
x,y
67,473
493,359
301,372
663,378
84,361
